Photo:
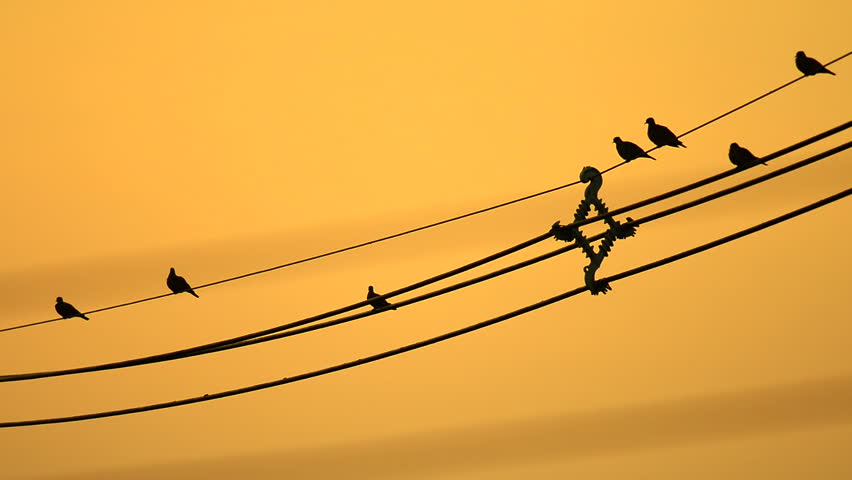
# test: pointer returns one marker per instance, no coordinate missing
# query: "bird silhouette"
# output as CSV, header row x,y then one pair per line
x,y
178,284
742,157
810,66
66,310
629,150
379,303
662,136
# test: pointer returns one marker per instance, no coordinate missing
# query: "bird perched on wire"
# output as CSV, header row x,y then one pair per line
x,y
742,157
66,310
629,150
662,136
178,284
810,66
378,303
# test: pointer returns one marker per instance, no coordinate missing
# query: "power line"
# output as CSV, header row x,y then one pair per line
x,y
417,229
440,338
292,329
641,221
216,346
759,98
408,288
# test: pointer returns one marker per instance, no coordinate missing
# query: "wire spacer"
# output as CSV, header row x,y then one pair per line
x,y
616,231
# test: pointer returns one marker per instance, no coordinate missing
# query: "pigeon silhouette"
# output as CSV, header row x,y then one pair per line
x,y
742,157
377,304
662,136
178,284
810,66
66,310
629,150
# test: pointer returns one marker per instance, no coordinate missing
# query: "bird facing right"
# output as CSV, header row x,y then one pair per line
x,y
377,303
629,150
66,310
662,136
810,66
741,157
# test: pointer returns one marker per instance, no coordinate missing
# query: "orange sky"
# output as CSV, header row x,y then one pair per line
x,y
224,137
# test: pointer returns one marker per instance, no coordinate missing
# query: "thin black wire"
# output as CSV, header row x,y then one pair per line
x,y
291,330
9,329
439,338
759,98
413,286
424,227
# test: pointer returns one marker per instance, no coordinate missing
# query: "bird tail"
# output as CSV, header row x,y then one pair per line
x,y
193,293
84,317
652,158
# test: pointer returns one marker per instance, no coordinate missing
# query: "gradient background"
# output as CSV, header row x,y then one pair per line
x,y
223,137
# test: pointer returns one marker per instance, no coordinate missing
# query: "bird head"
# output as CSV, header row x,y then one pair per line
x,y
649,121
58,299
800,54
616,140
370,289
172,270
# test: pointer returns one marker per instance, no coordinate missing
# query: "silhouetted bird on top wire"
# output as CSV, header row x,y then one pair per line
x,y
629,150
66,310
379,303
178,284
810,66
742,157
662,136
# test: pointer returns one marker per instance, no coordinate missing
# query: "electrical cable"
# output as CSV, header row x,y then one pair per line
x,y
439,338
292,329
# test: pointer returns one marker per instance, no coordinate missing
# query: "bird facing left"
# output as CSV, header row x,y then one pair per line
x,y
662,136
377,303
66,310
178,284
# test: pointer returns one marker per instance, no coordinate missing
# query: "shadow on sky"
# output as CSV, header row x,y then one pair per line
x,y
556,438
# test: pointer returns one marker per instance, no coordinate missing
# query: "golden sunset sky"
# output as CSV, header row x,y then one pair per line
x,y
221,137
